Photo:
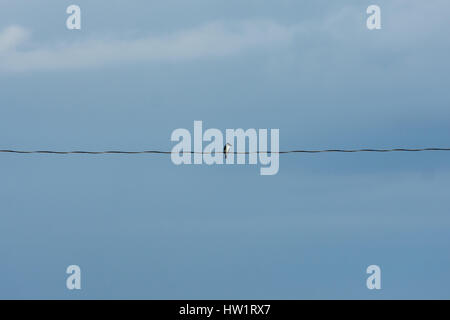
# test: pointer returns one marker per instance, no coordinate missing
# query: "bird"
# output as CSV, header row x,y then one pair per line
x,y
226,149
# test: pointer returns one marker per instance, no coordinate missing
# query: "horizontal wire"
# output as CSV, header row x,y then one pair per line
x,y
221,152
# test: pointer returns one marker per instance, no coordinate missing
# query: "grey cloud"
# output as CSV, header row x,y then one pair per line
x,y
216,39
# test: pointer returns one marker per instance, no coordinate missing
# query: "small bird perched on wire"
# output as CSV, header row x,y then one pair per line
x,y
226,149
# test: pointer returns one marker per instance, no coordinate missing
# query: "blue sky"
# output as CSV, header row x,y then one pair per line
x,y
141,227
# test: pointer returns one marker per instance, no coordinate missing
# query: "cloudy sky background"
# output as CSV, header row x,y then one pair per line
x,y
141,227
